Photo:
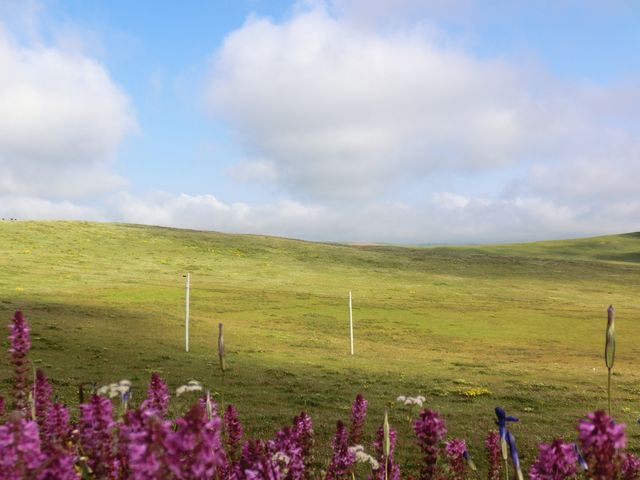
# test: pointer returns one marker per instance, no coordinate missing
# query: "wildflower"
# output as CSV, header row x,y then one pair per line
x,y
116,389
302,431
233,429
19,345
20,453
342,459
287,453
501,422
362,457
257,463
455,450
96,436
358,414
630,467
555,461
42,396
56,427
157,396
191,386
410,401
194,450
581,461
143,442
2,406
430,428
385,456
609,350
599,437
513,451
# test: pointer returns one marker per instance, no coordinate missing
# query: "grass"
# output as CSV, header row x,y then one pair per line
x,y
523,324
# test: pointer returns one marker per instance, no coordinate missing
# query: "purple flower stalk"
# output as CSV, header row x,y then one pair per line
x,y
42,396
56,428
393,470
234,431
600,438
630,467
19,345
342,459
20,454
303,430
430,428
455,450
257,463
492,443
2,406
195,449
157,396
286,451
358,414
555,461
96,436
143,439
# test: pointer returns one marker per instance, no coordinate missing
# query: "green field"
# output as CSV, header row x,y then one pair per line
x,y
526,322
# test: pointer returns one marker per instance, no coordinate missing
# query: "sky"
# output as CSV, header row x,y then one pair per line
x,y
389,121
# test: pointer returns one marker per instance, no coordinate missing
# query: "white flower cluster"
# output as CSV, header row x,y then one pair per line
x,y
362,457
191,386
419,400
115,389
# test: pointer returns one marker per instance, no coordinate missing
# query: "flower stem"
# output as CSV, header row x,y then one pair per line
x,y
609,390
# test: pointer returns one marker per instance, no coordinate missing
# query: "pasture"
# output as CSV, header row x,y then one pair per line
x,y
522,323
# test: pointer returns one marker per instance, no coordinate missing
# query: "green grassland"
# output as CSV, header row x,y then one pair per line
x,y
526,322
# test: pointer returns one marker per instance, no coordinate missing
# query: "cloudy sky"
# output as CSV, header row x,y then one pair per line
x,y
404,121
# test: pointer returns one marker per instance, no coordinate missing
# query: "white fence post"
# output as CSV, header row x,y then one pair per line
x,y
350,322
186,324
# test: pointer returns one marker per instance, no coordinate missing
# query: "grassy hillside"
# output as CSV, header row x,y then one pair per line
x,y
524,321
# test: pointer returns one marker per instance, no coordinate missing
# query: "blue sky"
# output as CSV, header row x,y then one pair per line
x,y
401,121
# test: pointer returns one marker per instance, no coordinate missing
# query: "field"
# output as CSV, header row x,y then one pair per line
x,y
525,322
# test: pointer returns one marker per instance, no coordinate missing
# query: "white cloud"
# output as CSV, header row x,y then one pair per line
x,y
342,111
61,122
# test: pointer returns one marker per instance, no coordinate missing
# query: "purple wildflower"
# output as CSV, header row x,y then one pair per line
x,y
157,396
599,437
393,469
96,436
555,461
20,453
2,406
42,396
59,465
358,414
56,428
630,467
492,443
19,345
430,428
286,450
342,459
257,463
194,450
455,450
233,429
303,430
143,438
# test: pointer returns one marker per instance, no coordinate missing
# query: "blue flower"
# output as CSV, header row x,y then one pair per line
x,y
502,421
581,461
511,440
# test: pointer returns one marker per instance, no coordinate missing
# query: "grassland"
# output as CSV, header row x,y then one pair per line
x,y
526,322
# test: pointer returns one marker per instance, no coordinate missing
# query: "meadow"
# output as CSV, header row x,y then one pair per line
x,y
520,326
